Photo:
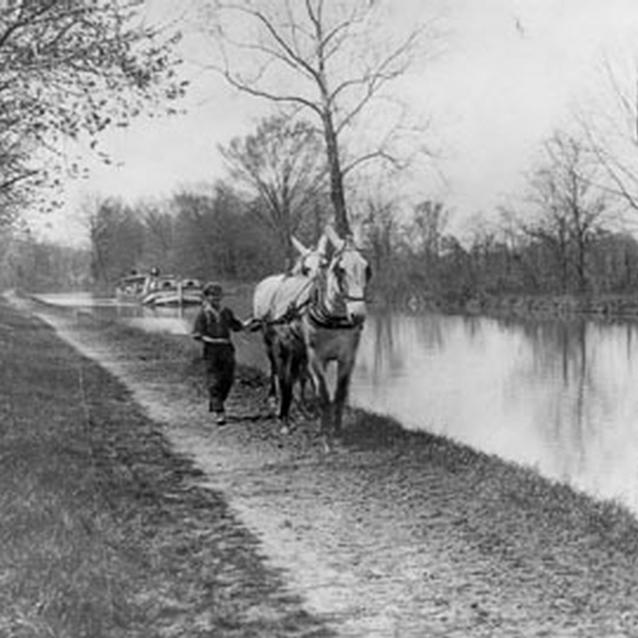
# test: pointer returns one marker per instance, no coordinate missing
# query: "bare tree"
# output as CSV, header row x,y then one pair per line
x,y
611,129
282,168
117,239
570,207
159,233
381,230
431,219
327,58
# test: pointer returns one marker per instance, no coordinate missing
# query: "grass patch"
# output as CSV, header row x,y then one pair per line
x,y
104,530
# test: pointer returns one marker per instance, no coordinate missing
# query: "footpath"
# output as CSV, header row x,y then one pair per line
x,y
105,529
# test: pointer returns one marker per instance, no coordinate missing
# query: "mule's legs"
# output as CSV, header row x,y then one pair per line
x,y
344,371
285,389
318,371
269,341
288,357
345,365
300,372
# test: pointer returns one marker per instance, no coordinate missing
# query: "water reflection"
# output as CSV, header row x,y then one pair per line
x,y
555,395
161,319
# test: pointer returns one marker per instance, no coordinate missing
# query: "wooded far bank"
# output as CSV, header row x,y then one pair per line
x,y
217,234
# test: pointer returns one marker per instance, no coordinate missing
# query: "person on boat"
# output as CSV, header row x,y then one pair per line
x,y
213,325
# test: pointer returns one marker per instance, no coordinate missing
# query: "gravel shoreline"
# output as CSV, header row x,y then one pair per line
x,y
397,533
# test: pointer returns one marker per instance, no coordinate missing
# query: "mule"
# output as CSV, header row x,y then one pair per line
x,y
326,327
276,301
331,326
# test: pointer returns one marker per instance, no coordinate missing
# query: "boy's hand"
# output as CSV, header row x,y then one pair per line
x,y
251,324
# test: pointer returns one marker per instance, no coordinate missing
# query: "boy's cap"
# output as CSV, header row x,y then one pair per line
x,y
213,289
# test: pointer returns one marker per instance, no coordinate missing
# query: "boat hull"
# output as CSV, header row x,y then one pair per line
x,y
174,299
158,290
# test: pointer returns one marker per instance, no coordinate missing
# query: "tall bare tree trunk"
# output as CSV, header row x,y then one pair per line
x,y
337,195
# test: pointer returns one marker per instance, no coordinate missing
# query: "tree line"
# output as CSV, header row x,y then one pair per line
x,y
561,242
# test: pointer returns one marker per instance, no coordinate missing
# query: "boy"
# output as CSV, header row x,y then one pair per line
x,y
213,325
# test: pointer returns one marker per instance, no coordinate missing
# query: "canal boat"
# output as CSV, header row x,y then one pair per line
x,y
151,289
168,290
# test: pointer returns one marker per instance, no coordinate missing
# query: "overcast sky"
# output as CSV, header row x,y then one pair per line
x,y
508,73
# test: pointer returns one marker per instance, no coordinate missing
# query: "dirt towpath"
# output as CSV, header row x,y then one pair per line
x,y
394,534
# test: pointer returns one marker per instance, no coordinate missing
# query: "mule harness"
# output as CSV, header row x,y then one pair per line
x,y
317,311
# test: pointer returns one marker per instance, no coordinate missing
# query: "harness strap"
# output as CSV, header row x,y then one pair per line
x,y
208,339
321,319
319,314
294,310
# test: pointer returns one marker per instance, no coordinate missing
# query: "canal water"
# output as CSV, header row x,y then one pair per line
x,y
560,396
557,395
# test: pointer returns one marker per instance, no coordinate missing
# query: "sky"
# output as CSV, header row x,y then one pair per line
x,y
506,74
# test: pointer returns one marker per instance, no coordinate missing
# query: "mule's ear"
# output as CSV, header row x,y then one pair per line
x,y
322,245
299,247
335,240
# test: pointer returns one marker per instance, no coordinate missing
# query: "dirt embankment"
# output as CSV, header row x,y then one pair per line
x,y
396,533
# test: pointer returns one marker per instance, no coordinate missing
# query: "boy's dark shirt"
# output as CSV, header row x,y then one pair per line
x,y
216,324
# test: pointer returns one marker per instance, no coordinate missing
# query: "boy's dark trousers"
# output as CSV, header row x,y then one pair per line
x,y
220,373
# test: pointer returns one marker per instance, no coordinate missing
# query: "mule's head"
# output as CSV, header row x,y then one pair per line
x,y
309,262
347,281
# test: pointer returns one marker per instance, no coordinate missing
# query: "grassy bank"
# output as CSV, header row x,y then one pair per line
x,y
104,531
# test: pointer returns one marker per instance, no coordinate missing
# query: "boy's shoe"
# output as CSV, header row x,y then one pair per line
x,y
221,418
